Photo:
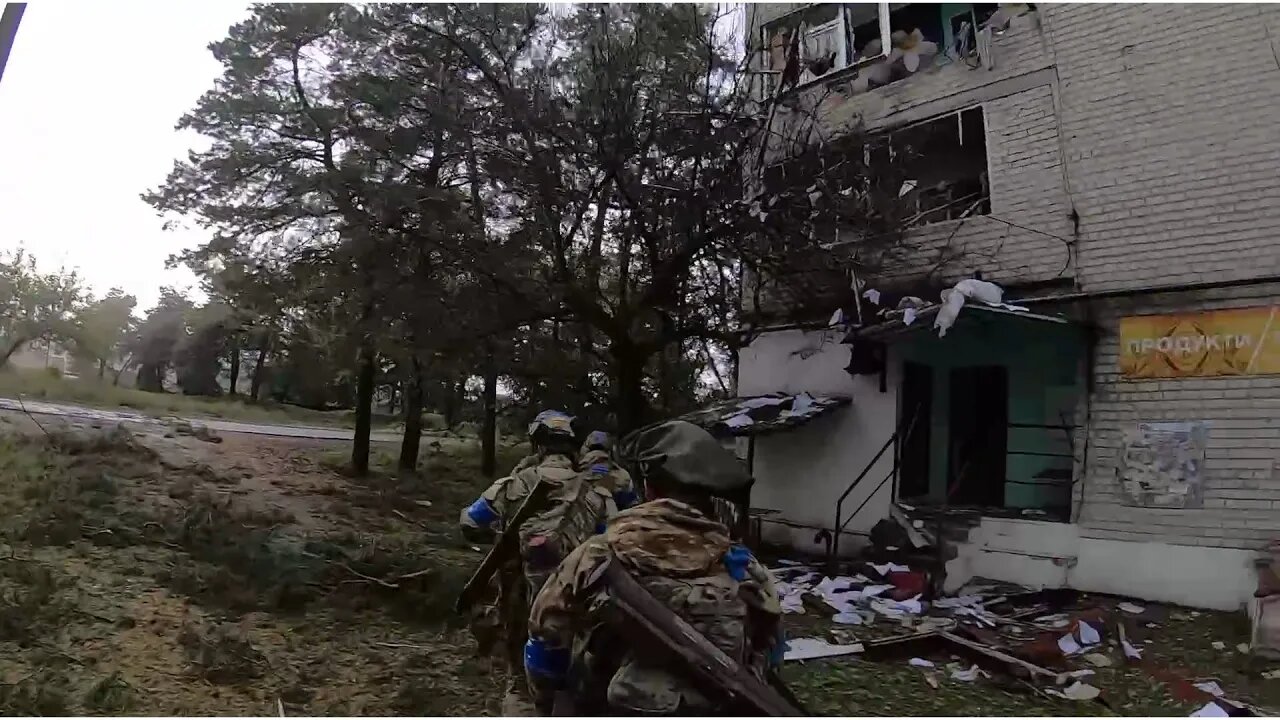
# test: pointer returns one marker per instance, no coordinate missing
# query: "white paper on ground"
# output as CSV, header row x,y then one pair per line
x,y
920,662
1077,674
1130,651
1089,636
847,618
738,421
873,295
1081,691
1210,687
1131,608
1211,709
890,568
810,648
973,673
961,601
908,316
802,403
873,590
1068,645
1218,645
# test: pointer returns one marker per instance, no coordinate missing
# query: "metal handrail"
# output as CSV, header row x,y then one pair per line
x,y
841,521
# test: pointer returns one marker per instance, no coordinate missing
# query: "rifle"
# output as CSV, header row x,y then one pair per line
x,y
647,622
508,542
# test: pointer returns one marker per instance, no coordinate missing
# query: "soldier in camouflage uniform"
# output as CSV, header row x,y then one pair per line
x,y
575,510
674,548
594,460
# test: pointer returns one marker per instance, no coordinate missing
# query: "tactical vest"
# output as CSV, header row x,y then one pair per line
x,y
714,607
576,511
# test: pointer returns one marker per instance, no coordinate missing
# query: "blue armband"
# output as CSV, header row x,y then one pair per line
x,y
735,561
600,528
545,661
600,469
482,513
624,499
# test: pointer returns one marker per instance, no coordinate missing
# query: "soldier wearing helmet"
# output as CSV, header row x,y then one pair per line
x,y
596,463
552,437
673,546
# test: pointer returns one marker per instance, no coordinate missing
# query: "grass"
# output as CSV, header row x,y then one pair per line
x,y
139,584
91,392
1178,651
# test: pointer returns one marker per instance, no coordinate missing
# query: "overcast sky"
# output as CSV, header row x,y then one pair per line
x,y
87,107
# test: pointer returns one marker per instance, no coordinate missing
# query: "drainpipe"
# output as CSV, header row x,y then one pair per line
x,y
9,20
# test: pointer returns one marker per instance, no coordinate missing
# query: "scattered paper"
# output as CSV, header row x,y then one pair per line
x,y
973,673
873,590
801,403
810,648
1077,674
1218,645
1077,691
1068,645
1097,660
887,568
1211,709
873,295
1054,621
961,601
847,618
920,663
738,421
1130,651
932,679
1088,636
908,316
1210,687
1243,648
1131,608
1271,674
422,503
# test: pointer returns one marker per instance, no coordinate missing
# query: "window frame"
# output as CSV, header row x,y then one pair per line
x,y
882,13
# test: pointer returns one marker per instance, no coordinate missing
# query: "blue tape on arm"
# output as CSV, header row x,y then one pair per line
x,y
735,561
545,661
624,499
600,469
482,513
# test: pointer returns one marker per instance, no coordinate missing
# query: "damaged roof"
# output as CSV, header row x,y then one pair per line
x,y
922,319
758,414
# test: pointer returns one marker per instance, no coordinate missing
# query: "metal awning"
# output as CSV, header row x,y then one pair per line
x,y
972,313
759,414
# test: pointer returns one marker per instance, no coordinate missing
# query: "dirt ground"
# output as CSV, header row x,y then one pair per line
x,y
152,575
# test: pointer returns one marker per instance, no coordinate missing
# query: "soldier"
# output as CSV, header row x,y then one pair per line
x,y
575,510
594,460
675,549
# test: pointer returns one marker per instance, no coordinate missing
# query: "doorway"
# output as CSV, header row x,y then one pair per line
x,y
979,435
913,447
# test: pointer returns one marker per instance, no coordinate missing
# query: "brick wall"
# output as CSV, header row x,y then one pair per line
x,y
1242,482
1168,116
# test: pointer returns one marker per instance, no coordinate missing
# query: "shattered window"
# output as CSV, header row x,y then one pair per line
x,y
945,162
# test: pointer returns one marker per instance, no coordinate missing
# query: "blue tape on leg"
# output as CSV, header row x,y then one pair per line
x,y
545,661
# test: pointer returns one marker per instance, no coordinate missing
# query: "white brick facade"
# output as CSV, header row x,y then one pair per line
x,y
1145,137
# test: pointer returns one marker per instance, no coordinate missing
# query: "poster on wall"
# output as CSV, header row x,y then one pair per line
x,y
1162,464
1242,341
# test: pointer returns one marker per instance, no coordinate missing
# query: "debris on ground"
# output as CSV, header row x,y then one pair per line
x,y
1051,645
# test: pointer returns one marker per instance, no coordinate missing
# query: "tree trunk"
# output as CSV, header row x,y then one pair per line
x,y
255,385
392,393
631,404
489,427
364,409
235,363
102,369
450,403
412,420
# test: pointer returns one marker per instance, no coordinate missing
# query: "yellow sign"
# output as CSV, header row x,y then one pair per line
x,y
1244,341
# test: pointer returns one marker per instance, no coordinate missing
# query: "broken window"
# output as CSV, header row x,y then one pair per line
x,y
945,161
892,41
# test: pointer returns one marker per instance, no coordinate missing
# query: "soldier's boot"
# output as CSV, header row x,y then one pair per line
x,y
516,701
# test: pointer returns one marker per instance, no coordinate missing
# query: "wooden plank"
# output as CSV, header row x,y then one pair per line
x,y
1034,670
649,623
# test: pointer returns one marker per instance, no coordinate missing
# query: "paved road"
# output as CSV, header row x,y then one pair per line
x,y
223,426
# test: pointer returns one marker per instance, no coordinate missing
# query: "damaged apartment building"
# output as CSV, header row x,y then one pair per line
x,y
1109,419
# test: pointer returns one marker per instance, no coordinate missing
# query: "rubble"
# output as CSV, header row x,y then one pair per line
x,y
1057,643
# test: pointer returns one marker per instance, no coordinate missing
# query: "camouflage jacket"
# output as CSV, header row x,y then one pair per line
x,y
606,473
685,560
486,516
